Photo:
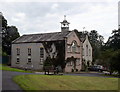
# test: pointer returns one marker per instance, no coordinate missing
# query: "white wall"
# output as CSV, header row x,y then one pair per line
x,y
85,56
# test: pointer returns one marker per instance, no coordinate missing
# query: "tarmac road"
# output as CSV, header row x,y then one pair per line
x,y
7,82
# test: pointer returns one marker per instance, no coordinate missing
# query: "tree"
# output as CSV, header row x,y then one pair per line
x,y
9,33
115,61
97,42
114,40
111,52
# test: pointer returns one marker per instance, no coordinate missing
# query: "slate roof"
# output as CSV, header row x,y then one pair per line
x,y
42,37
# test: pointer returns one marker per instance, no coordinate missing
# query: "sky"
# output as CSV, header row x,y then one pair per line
x,y
36,16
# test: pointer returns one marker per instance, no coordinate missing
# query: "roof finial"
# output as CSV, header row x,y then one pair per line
x,y
83,28
64,17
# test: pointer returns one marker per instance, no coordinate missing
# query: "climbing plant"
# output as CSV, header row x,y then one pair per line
x,y
55,56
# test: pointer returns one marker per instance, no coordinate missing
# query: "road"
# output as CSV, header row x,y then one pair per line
x,y
8,84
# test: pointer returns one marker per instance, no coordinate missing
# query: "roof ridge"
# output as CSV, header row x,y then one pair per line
x,y
53,36
41,33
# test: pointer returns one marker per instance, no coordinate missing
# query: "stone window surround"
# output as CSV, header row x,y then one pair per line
x,y
70,51
29,51
41,55
18,51
17,60
29,60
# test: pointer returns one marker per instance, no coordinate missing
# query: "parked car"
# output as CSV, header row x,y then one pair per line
x,y
96,68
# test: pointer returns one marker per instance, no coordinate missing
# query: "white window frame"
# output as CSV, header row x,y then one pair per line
x,y
29,51
18,51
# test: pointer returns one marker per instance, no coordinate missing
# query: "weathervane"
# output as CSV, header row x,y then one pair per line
x,y
64,17
83,28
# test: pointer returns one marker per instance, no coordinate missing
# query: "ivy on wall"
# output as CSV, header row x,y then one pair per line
x,y
55,56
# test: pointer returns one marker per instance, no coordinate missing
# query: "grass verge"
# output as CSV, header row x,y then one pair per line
x,y
7,68
65,82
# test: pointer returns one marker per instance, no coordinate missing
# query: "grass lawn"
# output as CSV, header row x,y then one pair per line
x,y
65,82
7,68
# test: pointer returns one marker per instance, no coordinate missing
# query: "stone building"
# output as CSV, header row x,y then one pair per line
x,y
87,52
61,48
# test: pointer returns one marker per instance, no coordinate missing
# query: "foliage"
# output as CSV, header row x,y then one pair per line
x,y
104,58
110,59
48,62
97,42
115,61
110,56
114,40
9,33
65,82
55,55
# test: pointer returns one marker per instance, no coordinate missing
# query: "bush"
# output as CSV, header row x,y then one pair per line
x,y
115,61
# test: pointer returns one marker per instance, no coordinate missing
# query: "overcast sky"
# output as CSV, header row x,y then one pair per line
x,y
43,17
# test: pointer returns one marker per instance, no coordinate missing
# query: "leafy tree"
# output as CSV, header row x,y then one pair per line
x,y
115,61
111,52
114,40
97,42
9,33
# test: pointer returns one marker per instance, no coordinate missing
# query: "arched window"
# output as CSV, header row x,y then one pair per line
x,y
74,46
86,50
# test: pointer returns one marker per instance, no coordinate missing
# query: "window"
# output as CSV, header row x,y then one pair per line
x,y
69,63
69,48
29,51
86,50
18,61
41,52
41,55
74,46
78,62
29,60
41,61
18,51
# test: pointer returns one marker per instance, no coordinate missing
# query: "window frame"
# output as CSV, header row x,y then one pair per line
x,y
29,61
41,55
41,52
18,60
87,50
68,48
18,51
29,51
74,46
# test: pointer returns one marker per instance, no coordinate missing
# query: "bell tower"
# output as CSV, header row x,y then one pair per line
x,y
64,25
